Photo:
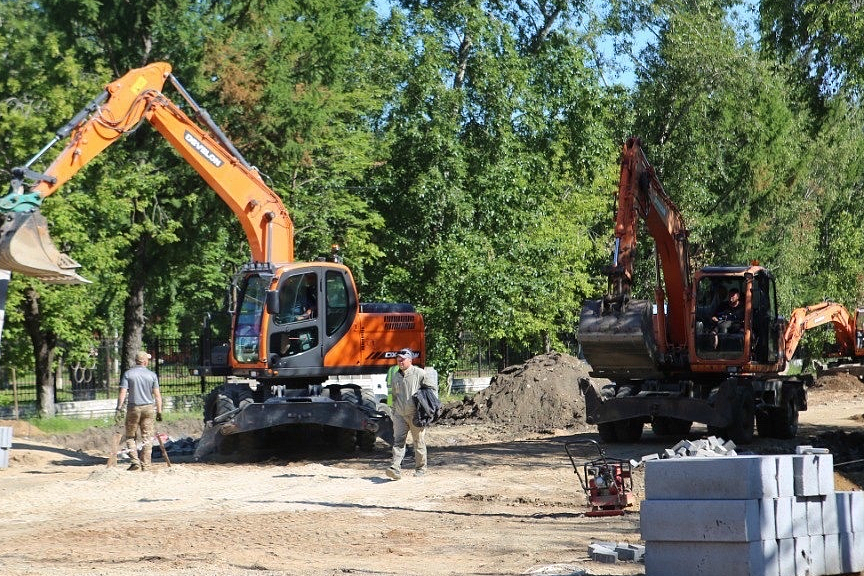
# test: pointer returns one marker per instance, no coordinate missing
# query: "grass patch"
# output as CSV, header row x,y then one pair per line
x,y
64,425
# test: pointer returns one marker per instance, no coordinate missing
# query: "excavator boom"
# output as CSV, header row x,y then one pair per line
x,y
25,243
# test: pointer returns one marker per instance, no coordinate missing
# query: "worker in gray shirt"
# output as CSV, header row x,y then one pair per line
x,y
141,386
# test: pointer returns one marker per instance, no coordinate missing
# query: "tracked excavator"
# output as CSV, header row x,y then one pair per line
x,y
294,324
671,361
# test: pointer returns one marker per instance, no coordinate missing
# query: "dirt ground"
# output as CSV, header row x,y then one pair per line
x,y
501,496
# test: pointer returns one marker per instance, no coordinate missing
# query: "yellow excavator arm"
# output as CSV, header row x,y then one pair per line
x,y
25,245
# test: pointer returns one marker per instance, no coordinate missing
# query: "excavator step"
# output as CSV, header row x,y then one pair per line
x,y
26,248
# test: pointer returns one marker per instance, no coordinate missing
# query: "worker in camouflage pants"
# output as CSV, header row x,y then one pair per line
x,y
141,387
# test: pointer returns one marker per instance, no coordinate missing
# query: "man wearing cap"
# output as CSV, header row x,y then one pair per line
x,y
141,386
405,382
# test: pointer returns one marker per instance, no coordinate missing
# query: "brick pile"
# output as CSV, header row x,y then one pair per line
x,y
750,516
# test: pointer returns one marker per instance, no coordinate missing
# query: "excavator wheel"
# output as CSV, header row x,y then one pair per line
x,y
27,248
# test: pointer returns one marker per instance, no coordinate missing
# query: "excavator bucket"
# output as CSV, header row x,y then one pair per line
x,y
618,344
26,248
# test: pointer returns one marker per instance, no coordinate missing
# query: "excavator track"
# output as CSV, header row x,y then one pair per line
x,y
618,344
26,247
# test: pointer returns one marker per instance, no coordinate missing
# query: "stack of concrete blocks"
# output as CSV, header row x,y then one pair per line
x,y
750,516
5,446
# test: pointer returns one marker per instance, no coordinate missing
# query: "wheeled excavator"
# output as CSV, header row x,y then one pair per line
x,y
294,324
847,349
668,361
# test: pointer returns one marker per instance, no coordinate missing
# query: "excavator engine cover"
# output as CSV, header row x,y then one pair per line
x,y
618,344
27,248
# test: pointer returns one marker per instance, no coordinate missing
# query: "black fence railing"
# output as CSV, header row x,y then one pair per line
x,y
483,358
100,378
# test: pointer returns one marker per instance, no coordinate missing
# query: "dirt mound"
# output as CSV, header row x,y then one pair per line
x,y
98,439
540,395
841,382
22,429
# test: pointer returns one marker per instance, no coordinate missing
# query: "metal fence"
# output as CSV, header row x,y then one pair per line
x,y
483,358
100,378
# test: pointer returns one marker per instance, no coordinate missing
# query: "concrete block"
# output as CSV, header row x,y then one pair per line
x,y
5,446
799,518
630,552
785,476
707,520
833,554
604,555
803,560
716,478
843,509
825,464
856,553
814,515
786,556
856,510
756,558
783,518
830,514
806,470
817,555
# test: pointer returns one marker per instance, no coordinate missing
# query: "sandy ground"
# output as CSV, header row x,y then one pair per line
x,y
492,504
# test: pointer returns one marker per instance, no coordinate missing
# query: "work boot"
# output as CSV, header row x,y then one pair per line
x,y
420,472
134,466
393,473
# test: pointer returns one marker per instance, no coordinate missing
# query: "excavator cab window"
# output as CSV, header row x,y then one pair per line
x,y
298,299
247,326
764,336
337,302
295,327
720,318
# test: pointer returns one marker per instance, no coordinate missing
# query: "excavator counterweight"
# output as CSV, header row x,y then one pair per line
x,y
26,247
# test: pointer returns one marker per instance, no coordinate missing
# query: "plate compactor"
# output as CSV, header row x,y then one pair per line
x,y
607,482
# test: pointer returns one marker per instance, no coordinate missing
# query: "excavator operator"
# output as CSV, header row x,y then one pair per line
x,y
729,317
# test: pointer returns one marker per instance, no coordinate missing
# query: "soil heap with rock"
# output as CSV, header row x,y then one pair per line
x,y
540,395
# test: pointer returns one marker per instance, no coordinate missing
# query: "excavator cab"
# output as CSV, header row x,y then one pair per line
x,y
736,315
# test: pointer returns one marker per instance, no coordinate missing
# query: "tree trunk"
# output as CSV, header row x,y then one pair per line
x,y
44,344
133,313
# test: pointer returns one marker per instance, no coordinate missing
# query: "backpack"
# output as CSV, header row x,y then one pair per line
x,y
427,407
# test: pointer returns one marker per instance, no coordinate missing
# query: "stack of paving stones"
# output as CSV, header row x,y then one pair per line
x,y
612,552
710,447
750,516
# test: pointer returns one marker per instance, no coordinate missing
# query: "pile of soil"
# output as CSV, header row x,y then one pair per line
x,y
541,395
841,382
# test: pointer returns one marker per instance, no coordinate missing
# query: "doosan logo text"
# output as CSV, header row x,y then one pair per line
x,y
202,149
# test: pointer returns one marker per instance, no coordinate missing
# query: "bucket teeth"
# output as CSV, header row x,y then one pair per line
x,y
26,248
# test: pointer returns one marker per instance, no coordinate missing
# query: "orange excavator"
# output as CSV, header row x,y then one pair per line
x,y
294,324
848,346
673,361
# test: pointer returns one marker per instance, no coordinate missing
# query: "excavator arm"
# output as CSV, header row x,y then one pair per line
x,y
25,246
620,337
641,196
808,317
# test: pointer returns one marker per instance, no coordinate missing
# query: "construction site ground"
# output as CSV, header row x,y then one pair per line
x,y
501,496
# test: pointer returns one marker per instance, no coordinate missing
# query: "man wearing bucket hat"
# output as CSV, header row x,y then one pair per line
x,y
141,386
406,381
